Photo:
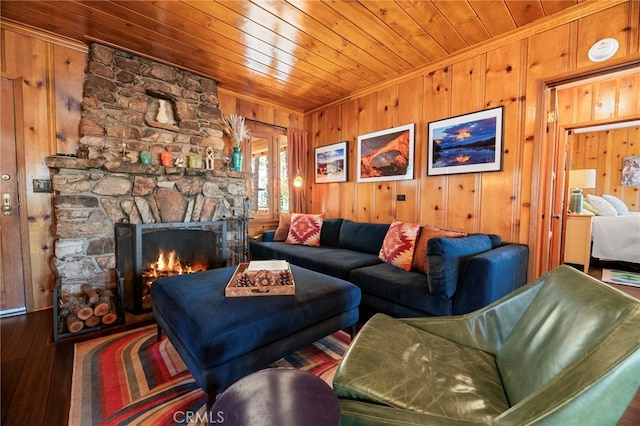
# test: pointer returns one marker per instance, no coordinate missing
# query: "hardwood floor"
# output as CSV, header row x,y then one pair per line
x,y
36,373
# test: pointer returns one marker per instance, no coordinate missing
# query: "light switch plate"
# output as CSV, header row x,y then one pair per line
x,y
42,185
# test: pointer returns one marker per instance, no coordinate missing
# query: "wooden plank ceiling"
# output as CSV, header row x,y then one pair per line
x,y
297,54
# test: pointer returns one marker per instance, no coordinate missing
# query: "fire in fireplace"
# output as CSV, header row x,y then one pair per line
x,y
146,252
170,266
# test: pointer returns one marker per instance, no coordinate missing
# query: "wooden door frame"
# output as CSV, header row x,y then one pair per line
x,y
22,188
551,139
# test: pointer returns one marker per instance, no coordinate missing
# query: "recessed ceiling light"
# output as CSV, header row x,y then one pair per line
x,y
603,49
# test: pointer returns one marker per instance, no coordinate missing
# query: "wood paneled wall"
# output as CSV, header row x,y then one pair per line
x,y
51,77
604,151
506,71
594,102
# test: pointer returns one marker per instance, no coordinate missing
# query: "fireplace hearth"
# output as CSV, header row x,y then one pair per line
x,y
146,252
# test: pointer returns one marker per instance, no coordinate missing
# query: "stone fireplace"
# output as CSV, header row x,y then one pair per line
x,y
133,105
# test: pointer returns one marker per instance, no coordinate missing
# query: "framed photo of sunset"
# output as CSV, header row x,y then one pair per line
x,y
468,143
386,155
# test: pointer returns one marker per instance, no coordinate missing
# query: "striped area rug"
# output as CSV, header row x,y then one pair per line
x,y
132,379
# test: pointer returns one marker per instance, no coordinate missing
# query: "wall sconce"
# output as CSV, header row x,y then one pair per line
x,y
578,179
297,181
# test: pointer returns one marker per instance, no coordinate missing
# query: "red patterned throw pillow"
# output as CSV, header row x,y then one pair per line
x,y
305,229
398,245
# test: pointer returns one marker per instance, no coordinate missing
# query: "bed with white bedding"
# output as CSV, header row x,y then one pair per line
x,y
616,238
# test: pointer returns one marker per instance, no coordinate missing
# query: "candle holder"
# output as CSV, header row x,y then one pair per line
x,y
166,158
194,161
145,157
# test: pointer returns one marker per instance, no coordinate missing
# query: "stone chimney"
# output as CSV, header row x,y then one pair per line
x,y
132,104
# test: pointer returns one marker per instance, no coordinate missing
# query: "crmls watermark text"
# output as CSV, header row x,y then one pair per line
x,y
186,417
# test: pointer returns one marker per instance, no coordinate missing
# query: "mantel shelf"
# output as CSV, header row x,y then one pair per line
x,y
64,162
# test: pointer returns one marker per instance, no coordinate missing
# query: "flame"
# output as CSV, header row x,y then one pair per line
x,y
169,265
172,264
166,265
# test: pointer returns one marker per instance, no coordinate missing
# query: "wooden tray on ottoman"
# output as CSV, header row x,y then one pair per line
x,y
260,282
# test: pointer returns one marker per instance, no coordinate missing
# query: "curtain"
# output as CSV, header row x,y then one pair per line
x,y
297,159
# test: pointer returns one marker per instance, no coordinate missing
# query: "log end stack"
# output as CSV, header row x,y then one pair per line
x,y
91,307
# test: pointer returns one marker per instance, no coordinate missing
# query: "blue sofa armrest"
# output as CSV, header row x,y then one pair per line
x,y
267,236
490,275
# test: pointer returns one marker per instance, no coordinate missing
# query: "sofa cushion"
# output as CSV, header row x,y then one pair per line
x,y
427,232
489,276
328,260
397,287
496,240
447,257
363,237
422,372
283,227
305,229
563,323
399,242
330,232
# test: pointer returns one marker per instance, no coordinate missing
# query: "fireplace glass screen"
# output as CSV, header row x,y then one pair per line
x,y
146,252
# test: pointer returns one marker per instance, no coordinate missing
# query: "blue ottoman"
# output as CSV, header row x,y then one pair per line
x,y
221,339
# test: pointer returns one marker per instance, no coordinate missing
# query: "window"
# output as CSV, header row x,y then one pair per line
x,y
269,186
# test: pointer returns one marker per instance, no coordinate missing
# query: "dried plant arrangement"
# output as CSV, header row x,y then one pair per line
x,y
235,127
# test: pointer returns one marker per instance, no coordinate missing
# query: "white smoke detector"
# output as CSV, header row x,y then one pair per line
x,y
603,49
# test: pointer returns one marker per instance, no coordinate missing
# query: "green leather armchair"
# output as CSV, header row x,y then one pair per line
x,y
564,349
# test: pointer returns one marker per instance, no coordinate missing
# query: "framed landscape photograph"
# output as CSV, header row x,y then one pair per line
x,y
467,143
631,171
386,155
331,163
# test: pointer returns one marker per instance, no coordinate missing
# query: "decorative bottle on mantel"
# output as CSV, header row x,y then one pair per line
x,y
234,126
236,159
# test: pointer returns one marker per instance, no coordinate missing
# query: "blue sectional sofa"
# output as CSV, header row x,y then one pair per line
x,y
464,274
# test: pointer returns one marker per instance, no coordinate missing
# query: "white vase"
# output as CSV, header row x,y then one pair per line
x,y
163,112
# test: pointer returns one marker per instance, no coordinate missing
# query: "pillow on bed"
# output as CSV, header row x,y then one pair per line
x,y
617,204
588,207
603,206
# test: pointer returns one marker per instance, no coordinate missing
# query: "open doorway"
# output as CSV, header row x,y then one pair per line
x,y
603,165
597,97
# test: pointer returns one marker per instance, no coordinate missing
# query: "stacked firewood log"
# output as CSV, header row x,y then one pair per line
x,y
90,307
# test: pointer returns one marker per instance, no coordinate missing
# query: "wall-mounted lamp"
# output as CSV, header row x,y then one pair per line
x,y
297,181
578,179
